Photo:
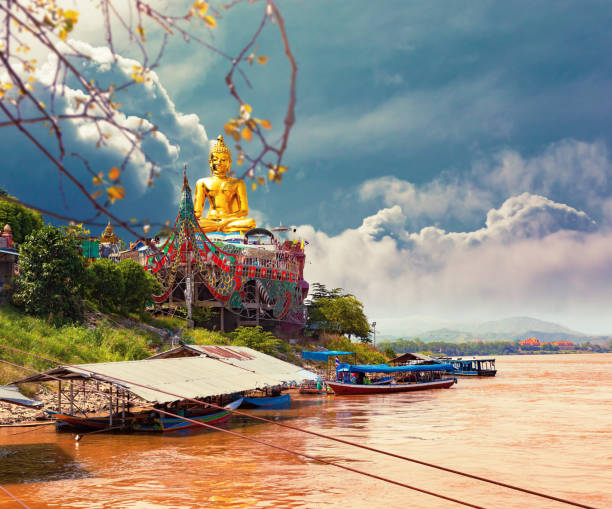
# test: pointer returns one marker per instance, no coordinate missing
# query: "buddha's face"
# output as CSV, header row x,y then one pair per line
x,y
220,164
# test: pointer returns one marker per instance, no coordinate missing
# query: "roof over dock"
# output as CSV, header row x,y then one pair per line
x,y
245,358
187,377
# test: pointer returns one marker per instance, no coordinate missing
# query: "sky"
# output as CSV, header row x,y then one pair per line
x,y
450,161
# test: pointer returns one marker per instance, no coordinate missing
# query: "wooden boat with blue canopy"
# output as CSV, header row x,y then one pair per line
x,y
473,367
367,379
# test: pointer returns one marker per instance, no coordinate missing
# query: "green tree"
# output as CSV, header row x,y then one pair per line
x,y
138,286
256,338
51,276
105,285
337,312
22,220
347,313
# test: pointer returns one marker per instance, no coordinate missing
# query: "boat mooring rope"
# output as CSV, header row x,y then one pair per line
x,y
328,437
267,444
20,502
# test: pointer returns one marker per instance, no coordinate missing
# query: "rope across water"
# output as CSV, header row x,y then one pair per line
x,y
327,437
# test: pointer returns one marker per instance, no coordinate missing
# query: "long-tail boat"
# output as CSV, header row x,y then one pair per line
x,y
355,379
155,421
144,420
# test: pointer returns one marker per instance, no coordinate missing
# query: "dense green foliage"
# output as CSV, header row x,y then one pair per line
x,y
23,220
366,354
105,285
68,344
138,285
52,276
256,338
335,312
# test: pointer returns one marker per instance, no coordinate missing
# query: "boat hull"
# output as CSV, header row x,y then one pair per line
x,y
282,401
88,423
343,389
165,424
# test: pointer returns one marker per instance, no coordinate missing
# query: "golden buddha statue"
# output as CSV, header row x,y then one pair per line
x,y
227,196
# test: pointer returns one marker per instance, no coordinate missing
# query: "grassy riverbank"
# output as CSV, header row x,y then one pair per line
x,y
71,343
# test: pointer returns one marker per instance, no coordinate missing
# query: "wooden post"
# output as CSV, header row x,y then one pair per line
x,y
123,408
110,407
59,397
222,319
71,397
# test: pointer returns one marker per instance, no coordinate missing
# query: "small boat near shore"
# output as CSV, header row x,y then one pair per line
x,y
355,379
472,367
273,402
159,422
144,420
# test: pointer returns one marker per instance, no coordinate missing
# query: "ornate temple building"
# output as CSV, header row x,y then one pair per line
x,y
221,260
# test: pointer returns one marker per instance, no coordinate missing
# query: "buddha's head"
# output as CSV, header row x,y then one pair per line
x,y
220,159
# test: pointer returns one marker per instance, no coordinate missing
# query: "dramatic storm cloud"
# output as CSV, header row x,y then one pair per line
x,y
532,253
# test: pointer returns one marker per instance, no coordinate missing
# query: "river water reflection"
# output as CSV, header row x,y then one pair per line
x,y
544,423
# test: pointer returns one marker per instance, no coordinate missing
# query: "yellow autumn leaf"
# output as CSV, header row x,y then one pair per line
x,y
247,134
116,192
141,32
245,108
97,194
271,175
210,21
134,220
265,124
262,59
281,169
63,34
253,186
71,15
261,181
97,180
114,173
229,128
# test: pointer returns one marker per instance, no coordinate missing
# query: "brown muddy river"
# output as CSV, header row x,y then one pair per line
x,y
544,423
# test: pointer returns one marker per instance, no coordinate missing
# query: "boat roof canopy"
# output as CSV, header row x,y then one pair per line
x,y
385,368
323,356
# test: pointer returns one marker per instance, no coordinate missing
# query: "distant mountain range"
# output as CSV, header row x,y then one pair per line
x,y
507,329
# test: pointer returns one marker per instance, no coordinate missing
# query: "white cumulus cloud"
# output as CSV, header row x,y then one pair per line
x,y
533,257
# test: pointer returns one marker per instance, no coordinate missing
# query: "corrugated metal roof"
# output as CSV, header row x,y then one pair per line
x,y
11,394
248,359
187,377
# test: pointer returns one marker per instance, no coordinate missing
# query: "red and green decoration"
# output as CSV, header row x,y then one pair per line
x,y
223,272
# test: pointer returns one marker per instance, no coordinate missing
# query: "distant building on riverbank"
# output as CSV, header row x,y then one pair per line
x,y
530,342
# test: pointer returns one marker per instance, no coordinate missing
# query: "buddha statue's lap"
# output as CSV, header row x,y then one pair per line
x,y
227,197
